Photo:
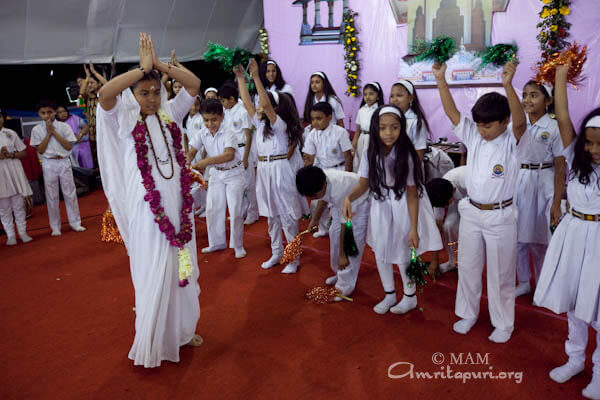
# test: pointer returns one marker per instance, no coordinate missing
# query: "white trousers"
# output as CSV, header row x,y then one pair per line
x,y
290,227
577,342
450,234
9,205
490,238
250,203
538,252
386,274
60,172
222,193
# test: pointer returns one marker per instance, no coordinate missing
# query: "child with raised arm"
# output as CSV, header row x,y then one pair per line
x,y
226,186
488,229
277,134
54,140
330,187
400,214
570,281
140,149
89,90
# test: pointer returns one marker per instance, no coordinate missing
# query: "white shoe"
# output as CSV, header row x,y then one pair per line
x,y
240,253
500,335
56,233
199,211
384,305
463,326
447,266
565,372
522,288
271,262
12,240
405,305
78,228
211,249
332,280
592,391
319,234
25,238
291,268
250,221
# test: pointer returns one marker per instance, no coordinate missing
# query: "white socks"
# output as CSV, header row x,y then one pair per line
x,y
78,228
463,326
240,252
25,237
291,268
332,280
447,266
384,306
500,335
56,233
211,249
320,234
271,262
406,304
12,240
522,288
592,391
565,372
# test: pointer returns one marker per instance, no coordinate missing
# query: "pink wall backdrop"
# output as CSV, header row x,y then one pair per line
x,y
384,43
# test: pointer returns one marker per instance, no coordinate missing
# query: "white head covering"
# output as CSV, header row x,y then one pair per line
x,y
407,85
377,85
318,73
271,62
593,122
548,88
210,89
390,110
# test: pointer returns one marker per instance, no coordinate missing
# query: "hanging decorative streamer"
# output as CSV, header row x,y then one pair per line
x,y
546,71
352,47
439,50
350,247
498,55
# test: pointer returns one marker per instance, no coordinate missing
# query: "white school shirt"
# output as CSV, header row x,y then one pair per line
x,y
389,161
544,142
339,185
274,145
458,178
363,118
216,145
419,139
193,126
328,146
54,149
338,110
492,166
285,89
237,119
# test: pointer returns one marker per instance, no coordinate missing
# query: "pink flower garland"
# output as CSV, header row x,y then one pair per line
x,y
153,196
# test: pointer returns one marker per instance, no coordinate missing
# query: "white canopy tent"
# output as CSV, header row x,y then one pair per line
x,y
78,31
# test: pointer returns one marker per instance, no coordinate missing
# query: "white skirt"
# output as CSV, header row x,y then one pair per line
x,y
13,180
389,225
363,143
276,191
535,191
570,278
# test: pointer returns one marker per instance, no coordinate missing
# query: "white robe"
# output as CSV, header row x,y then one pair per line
x,y
166,314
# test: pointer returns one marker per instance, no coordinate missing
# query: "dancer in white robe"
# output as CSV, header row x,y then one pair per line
x,y
166,314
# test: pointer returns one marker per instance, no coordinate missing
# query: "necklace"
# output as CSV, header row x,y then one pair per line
x,y
158,161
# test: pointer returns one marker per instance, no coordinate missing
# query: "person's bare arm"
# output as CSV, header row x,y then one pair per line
x,y
559,188
243,90
439,71
309,159
98,75
248,147
348,160
359,189
41,148
519,121
412,199
561,105
228,155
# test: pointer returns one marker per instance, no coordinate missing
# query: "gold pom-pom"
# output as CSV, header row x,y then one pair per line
x,y
546,72
109,231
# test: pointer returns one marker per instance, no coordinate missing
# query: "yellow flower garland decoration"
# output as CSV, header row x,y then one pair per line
x,y
352,47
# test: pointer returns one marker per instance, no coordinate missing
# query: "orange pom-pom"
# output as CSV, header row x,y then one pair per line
x,y
546,71
109,232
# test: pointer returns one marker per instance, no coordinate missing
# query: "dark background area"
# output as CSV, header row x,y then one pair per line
x,y
25,85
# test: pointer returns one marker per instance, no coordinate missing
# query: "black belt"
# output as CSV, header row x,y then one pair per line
x,y
241,144
492,206
338,165
273,158
228,168
585,217
537,166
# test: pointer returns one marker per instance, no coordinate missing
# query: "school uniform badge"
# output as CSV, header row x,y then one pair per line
x,y
334,151
545,136
498,171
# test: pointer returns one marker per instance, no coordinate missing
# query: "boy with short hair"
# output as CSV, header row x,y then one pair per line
x,y
488,230
226,185
330,187
54,140
240,124
445,193
326,146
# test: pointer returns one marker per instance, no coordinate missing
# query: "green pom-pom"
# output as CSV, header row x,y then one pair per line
x,y
417,269
350,247
440,50
227,58
498,55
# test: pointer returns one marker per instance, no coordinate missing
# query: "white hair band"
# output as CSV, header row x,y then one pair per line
x,y
271,62
377,85
210,89
275,96
322,75
407,85
390,110
548,87
593,122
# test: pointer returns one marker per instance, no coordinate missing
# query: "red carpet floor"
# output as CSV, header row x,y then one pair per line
x,y
67,325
